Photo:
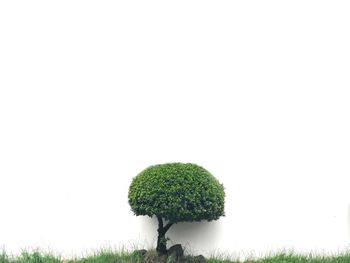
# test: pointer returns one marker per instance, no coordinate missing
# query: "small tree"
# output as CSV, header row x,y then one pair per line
x,y
176,192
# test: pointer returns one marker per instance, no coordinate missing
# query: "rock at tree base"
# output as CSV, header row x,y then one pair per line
x,y
200,259
176,253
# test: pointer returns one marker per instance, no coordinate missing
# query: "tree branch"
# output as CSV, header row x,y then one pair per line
x,y
160,222
167,226
161,225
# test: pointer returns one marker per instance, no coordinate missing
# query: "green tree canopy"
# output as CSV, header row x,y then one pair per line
x,y
176,192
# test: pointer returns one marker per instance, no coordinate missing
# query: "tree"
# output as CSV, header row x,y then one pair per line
x,y
176,192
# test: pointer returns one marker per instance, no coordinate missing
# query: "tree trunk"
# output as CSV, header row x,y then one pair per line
x,y
161,241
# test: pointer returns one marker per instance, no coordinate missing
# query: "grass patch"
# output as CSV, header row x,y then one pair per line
x,y
106,256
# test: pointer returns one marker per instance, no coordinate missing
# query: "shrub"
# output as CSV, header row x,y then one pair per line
x,y
176,192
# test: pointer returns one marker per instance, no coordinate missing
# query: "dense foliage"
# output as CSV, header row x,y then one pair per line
x,y
177,192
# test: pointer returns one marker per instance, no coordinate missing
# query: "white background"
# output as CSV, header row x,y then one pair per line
x,y
93,92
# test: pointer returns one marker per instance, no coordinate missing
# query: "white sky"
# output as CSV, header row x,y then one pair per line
x,y
92,92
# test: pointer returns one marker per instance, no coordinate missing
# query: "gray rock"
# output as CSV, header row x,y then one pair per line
x,y
175,254
200,259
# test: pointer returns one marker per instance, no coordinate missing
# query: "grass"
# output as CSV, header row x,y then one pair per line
x,y
106,256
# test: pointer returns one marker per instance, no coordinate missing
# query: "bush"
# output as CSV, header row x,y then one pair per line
x,y
176,192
